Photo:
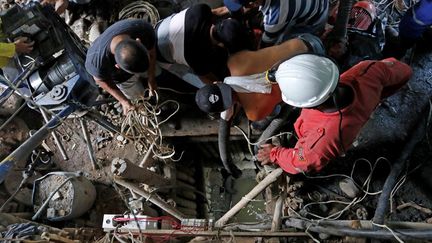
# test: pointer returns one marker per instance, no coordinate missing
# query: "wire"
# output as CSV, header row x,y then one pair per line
x,y
142,126
356,200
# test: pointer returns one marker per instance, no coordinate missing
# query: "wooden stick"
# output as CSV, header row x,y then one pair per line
x,y
269,179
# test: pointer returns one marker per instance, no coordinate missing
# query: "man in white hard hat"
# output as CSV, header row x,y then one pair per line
x,y
248,88
335,108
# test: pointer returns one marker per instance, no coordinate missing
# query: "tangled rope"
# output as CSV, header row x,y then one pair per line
x,y
140,10
142,126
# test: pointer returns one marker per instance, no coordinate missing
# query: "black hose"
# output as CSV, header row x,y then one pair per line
x,y
223,142
400,164
339,32
275,125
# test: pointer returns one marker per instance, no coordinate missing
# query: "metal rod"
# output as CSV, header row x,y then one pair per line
x,y
88,143
102,121
269,179
54,135
21,154
155,200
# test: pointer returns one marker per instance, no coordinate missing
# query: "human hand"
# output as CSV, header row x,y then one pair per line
x,y
264,154
126,107
152,87
59,5
23,45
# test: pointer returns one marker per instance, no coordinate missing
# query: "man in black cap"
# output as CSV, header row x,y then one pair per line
x,y
125,49
191,38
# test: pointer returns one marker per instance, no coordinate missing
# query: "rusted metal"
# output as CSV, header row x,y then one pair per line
x,y
88,143
128,170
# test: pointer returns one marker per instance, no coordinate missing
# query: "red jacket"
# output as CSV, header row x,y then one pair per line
x,y
318,132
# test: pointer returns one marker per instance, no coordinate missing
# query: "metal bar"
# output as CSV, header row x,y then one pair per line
x,y
102,121
128,170
54,135
155,200
88,143
21,154
269,179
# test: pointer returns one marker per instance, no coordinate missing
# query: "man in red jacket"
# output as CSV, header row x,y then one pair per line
x,y
335,108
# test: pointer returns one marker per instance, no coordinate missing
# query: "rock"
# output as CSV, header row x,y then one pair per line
x,y
349,188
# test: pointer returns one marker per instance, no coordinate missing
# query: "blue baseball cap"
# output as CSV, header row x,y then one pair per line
x,y
234,5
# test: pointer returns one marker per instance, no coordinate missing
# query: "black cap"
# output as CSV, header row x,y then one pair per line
x,y
233,35
214,98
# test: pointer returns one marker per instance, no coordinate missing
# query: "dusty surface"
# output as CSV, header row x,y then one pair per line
x,y
61,202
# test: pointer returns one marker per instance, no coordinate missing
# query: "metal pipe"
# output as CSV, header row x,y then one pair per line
x,y
21,154
155,200
269,179
88,143
102,121
383,201
54,135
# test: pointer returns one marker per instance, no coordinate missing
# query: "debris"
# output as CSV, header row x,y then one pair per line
x,y
416,206
349,188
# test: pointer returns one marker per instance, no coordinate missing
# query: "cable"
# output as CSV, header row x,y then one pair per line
x,y
142,126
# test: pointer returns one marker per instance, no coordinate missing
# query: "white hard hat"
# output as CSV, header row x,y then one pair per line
x,y
307,80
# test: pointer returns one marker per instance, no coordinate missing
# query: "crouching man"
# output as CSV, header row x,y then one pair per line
x,y
334,108
125,49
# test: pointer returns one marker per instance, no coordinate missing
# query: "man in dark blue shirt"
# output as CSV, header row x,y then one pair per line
x,y
125,49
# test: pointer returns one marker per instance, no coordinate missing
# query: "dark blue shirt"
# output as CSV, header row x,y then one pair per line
x,y
100,62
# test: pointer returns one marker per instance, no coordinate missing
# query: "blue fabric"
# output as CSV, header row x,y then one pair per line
x,y
416,20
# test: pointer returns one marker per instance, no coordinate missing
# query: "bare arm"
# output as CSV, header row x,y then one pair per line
x,y
252,62
110,87
59,5
152,69
221,11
